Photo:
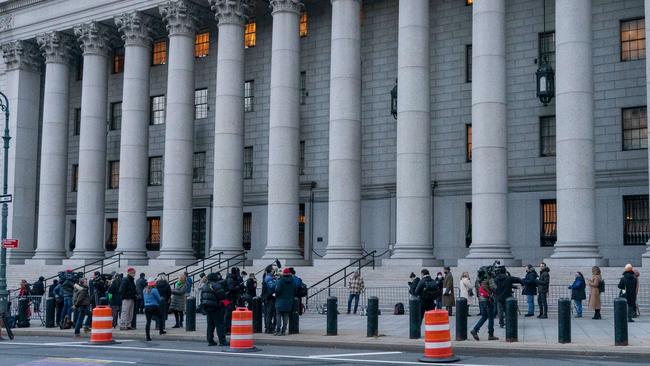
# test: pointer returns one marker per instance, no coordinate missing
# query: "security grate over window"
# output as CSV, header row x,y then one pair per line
x,y
635,209
548,230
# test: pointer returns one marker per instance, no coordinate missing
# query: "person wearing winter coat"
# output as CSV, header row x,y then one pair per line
x,y
151,300
448,296
627,285
413,284
530,288
38,289
268,299
140,285
81,304
486,291
285,290
543,283
129,294
467,290
115,297
177,305
440,283
594,291
578,293
356,286
165,292
504,282
213,293
428,291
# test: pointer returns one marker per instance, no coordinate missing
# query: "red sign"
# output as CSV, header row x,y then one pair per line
x,y
10,243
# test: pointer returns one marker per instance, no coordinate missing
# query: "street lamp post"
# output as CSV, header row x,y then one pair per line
x,y
4,294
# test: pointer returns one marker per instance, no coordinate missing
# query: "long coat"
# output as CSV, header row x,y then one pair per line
x,y
448,297
178,297
594,293
285,290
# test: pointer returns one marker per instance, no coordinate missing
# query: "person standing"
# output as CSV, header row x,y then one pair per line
x,y
578,293
140,285
355,286
213,293
151,300
268,296
81,305
486,289
596,283
177,305
55,292
129,293
427,291
165,292
413,285
467,290
440,283
285,291
530,288
38,289
67,290
448,296
504,282
115,297
543,283
627,285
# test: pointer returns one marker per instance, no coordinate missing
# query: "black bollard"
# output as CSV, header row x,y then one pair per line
x,y
414,319
620,322
294,317
373,316
332,316
50,308
511,320
190,314
461,319
23,306
564,321
257,315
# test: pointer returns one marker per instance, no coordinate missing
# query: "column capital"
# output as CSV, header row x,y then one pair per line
x,y
94,38
293,6
231,11
21,55
179,17
57,47
135,28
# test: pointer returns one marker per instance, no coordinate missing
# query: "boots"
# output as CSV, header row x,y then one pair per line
x,y
596,314
177,325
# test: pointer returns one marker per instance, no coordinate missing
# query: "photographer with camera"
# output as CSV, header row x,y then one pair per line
x,y
505,283
68,280
486,291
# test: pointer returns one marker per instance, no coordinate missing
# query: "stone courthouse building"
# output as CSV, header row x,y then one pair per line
x,y
296,129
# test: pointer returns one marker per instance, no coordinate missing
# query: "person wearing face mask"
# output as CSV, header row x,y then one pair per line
x,y
440,283
578,293
448,296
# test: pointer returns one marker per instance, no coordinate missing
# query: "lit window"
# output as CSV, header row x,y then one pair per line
x,y
118,60
633,39
548,235
547,135
153,233
250,35
246,235
116,116
77,121
75,177
111,241
198,167
468,224
547,47
155,171
468,143
157,110
468,63
302,158
114,174
303,24
635,220
201,103
635,128
159,56
249,95
202,44
303,87
469,2
248,162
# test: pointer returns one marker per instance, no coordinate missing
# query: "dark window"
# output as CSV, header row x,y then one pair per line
x,y
75,177
302,158
116,116
303,24
633,39
547,135
77,121
200,103
249,88
636,220
153,233
111,240
468,142
468,63
549,223
202,44
547,47
248,162
468,224
246,235
118,60
250,35
198,167
303,87
199,231
157,110
114,174
80,68
635,128
155,171
159,52
73,235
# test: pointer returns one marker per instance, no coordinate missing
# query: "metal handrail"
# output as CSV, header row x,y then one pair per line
x,y
358,262
239,258
202,261
263,268
83,268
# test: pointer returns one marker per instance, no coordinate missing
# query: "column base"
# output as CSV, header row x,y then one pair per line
x,y
38,262
343,253
50,256
472,264
259,264
16,256
87,255
177,254
134,257
412,252
273,253
226,252
576,262
413,264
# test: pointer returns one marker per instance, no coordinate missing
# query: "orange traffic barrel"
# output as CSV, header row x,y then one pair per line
x,y
241,331
102,326
437,338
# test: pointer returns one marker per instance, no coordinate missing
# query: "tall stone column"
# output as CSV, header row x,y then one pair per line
x,y
646,255
135,28
576,200
284,132
489,135
414,239
227,219
95,44
344,212
57,48
179,131
23,75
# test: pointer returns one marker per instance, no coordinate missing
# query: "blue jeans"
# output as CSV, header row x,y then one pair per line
x,y
487,313
82,312
578,305
531,304
67,308
356,302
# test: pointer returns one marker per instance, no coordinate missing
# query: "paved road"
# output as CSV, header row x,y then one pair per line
x,y
56,351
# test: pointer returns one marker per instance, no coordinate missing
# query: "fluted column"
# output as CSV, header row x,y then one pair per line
x,y
135,28
413,239
284,132
227,220
179,131
58,49
646,255
344,212
23,85
95,44
576,199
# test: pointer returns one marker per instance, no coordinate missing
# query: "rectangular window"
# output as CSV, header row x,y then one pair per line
x,y
547,47
635,209
157,110
111,240
159,55
114,174
468,63
118,60
73,235
633,39
246,235
548,235
77,121
80,68
74,185
469,2
155,171
468,142
303,24
250,35
547,136
303,87
248,162
199,226
202,44
198,167
153,233
249,95
116,116
200,103
468,224
302,158
635,128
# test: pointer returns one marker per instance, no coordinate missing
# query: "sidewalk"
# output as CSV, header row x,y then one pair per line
x,y
589,337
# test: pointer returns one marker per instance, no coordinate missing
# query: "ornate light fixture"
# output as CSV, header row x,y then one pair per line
x,y
545,75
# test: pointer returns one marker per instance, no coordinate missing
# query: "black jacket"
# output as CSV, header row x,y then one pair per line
x,y
67,287
127,288
38,288
628,283
251,287
234,283
164,289
212,293
114,290
424,294
504,286
544,280
140,284
530,284
413,285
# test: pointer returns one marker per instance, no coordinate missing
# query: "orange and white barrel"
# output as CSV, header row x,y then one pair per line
x,y
437,337
241,331
102,326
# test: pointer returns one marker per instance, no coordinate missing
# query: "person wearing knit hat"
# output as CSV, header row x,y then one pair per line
x,y
628,285
151,298
285,291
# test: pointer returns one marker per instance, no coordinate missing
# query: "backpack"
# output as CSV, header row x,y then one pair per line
x,y
399,309
601,286
430,289
302,291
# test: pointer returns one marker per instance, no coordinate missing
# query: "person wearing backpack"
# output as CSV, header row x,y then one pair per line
x,y
486,290
268,296
596,286
428,291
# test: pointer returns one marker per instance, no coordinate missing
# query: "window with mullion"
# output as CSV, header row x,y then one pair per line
x,y
201,103
548,228
248,162
468,63
202,44
635,128
632,39
75,178
111,240
468,224
159,52
249,95
157,110
116,116
77,121
153,233
155,171
303,24
114,174
118,60
468,142
198,167
250,34
547,47
246,235
635,209
547,135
